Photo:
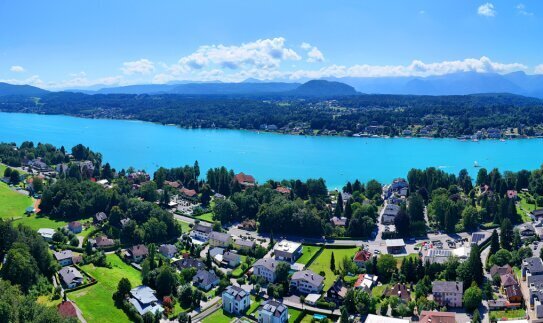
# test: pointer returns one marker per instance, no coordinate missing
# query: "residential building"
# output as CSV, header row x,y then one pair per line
x,y
402,291
448,293
366,282
200,232
513,293
272,311
219,239
372,318
235,300
102,242
168,250
537,214
306,281
500,270
283,190
189,263
531,267
188,194
231,259
100,218
64,257
245,180
70,277
526,231
205,279
137,252
244,244
339,222
437,317
337,292
46,233
265,267
144,300
389,213
361,257
75,227
287,251
507,280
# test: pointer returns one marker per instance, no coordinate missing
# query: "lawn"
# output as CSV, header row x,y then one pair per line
x,y
294,314
378,291
524,206
13,203
508,314
322,263
185,228
40,221
96,301
254,305
205,217
219,317
307,253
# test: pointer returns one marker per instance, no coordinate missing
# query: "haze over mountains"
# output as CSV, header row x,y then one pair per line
x,y
449,84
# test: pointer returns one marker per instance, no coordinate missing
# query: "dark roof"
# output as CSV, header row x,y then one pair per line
x,y
202,228
236,291
205,277
477,237
500,270
308,276
269,263
167,249
69,274
507,280
139,250
533,264
447,287
230,256
513,291
103,241
274,307
64,254
224,237
400,290
189,263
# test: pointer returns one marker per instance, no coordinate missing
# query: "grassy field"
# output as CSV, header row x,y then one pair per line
x,y
219,317
205,217
508,314
40,221
293,314
378,291
307,253
13,204
184,226
524,206
322,263
96,301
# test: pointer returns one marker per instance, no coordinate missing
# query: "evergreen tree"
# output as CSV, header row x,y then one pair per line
x,y
494,243
506,234
339,204
348,212
357,186
348,188
476,265
332,263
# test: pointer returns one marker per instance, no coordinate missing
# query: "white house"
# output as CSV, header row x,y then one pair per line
x,y
287,251
200,232
273,312
144,300
265,268
70,277
307,282
219,239
46,233
64,257
235,300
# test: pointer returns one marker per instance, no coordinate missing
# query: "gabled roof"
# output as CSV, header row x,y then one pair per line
x,y
167,249
138,250
274,307
447,287
69,274
400,290
205,277
202,228
230,256
308,276
362,255
507,280
268,263
64,254
243,178
144,294
437,317
513,291
189,263
236,292
189,193
220,236
500,270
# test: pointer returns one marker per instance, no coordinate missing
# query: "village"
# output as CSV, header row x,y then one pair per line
x,y
233,272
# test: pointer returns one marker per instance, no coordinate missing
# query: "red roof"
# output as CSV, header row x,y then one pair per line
x,y
362,255
437,317
359,280
283,190
67,309
242,178
511,194
187,192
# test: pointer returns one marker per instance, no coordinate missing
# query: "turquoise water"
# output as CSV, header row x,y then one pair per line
x,y
264,155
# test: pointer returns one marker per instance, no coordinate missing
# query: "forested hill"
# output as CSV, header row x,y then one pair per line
x,y
441,116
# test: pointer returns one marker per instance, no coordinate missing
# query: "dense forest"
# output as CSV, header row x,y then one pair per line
x,y
450,116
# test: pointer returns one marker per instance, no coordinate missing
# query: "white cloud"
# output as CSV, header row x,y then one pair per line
x,y
142,66
521,10
487,10
262,53
313,53
17,69
538,69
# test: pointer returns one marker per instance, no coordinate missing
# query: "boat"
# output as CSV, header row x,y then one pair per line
x,y
502,140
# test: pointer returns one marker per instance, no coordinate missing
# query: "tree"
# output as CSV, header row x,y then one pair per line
x,y
476,265
165,281
501,258
470,218
339,204
473,296
416,207
386,266
373,189
20,267
495,243
37,184
7,172
506,234
348,210
14,177
476,316
124,287
332,263
225,211
281,272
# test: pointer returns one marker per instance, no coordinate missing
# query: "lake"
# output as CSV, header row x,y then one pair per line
x,y
147,146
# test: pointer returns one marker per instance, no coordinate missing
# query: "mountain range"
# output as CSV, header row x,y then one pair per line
x,y
449,84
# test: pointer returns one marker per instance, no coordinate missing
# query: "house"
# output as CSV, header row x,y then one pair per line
x,y
265,267
512,194
125,222
272,311
100,218
188,194
395,246
230,259
205,279
75,227
219,239
402,291
67,309
70,277
175,184
372,318
244,244
531,267
337,292
102,242
283,190
361,257
200,232
137,253
38,165
448,293
537,214
507,280
312,299
306,281
526,230
245,180
189,263
64,257
513,293
366,282
339,222
235,300
389,213
287,251
437,317
168,250
500,270
144,300
534,298
46,233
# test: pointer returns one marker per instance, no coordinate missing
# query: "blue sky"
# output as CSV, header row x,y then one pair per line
x,y
67,44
